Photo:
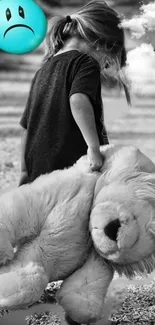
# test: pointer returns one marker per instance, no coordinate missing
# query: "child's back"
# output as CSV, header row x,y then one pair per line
x,y
54,139
63,119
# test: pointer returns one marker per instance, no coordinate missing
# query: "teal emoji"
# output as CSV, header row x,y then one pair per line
x,y
23,26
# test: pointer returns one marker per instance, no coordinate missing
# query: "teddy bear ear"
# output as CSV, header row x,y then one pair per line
x,y
145,163
151,191
145,188
150,226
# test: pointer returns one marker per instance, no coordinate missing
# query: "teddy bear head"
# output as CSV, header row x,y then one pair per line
x,y
122,223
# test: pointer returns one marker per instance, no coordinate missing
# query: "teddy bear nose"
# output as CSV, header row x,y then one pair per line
x,y
111,229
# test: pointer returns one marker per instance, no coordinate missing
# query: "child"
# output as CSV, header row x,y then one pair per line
x,y
63,119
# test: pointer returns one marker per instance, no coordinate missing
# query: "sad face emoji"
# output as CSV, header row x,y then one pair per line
x,y
23,26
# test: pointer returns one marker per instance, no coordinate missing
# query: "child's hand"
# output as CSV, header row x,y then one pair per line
x,y
95,157
23,178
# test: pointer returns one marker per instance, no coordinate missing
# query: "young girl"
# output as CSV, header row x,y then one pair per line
x,y
63,119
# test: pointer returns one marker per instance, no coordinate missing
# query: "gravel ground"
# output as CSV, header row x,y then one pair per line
x,y
138,306
128,302
47,318
9,162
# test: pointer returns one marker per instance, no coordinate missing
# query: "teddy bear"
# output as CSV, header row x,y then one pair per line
x,y
80,227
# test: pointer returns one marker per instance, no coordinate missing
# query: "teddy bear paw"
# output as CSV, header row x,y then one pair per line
x,y
70,321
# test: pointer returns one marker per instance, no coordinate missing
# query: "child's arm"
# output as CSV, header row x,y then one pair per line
x,y
83,114
23,175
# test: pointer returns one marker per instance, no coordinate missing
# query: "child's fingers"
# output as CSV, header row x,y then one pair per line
x,y
95,166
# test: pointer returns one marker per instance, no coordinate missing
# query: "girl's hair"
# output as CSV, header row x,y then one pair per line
x,y
99,26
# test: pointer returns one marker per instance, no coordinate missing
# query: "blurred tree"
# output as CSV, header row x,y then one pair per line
x,y
52,3
130,2
48,4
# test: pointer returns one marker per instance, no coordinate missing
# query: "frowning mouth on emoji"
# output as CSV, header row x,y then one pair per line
x,y
23,26
18,25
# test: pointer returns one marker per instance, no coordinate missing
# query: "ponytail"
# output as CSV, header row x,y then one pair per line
x,y
58,33
97,25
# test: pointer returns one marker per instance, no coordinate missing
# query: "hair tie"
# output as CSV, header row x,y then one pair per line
x,y
68,19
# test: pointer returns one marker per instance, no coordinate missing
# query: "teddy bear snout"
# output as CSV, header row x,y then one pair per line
x,y
112,228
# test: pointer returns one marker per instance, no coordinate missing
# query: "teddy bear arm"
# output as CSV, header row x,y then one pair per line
x,y
82,294
23,280
16,222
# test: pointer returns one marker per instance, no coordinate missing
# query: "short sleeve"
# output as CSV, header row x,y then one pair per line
x,y
86,78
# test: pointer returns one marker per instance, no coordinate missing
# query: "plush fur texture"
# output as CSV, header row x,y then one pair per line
x,y
125,192
78,226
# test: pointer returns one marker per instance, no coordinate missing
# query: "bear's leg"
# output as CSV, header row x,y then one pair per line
x,y
82,294
23,280
70,321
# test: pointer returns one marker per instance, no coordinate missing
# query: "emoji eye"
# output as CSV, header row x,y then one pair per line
x,y
21,12
8,14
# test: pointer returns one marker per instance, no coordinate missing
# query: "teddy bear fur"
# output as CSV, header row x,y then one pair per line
x,y
125,196
125,191
47,223
54,229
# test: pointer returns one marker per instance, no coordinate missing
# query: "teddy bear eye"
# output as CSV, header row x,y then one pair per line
x,y
8,14
21,12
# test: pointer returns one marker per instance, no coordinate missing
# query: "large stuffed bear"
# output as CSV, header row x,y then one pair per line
x,y
78,226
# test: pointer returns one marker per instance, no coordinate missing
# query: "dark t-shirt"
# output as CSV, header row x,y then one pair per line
x,y
54,139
